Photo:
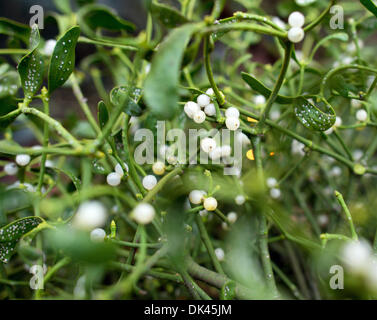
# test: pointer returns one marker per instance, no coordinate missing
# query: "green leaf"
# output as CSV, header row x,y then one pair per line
x,y
128,97
63,5
103,114
11,233
9,84
31,67
94,16
312,117
14,29
63,59
263,90
168,16
369,4
7,105
339,84
161,85
228,291
76,181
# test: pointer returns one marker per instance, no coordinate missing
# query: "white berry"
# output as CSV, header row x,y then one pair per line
x,y
196,196
296,19
208,144
240,200
143,213
119,170
355,103
158,168
113,179
362,115
199,117
49,47
232,217
226,151
220,254
259,100
275,193
271,182
210,110
90,215
203,100
338,122
23,160
232,112
98,235
296,35
215,154
210,92
149,182
210,204
191,108
10,169
232,123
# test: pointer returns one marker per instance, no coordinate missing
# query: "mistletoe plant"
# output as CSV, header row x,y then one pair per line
x,y
298,97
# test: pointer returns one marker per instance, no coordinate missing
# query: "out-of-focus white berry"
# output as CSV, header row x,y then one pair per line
x,y
10,169
275,193
296,19
220,254
203,213
191,108
362,115
356,255
271,182
275,115
158,168
335,171
172,160
357,154
199,117
119,170
210,92
297,148
296,35
259,100
197,196
23,160
90,215
226,151
49,164
240,200
113,179
232,112
215,154
149,182
355,103
242,138
210,204
232,123
203,100
329,131
208,144
143,213
323,220
232,217
49,47
280,23
338,122
210,110
98,235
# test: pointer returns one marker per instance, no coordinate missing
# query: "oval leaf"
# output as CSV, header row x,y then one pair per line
x,y
263,90
168,16
103,114
161,85
63,59
313,118
14,29
369,4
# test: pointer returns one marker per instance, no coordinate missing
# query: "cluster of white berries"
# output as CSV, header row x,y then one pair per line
x,y
296,33
232,118
194,109
22,160
215,152
272,184
360,261
199,196
114,178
